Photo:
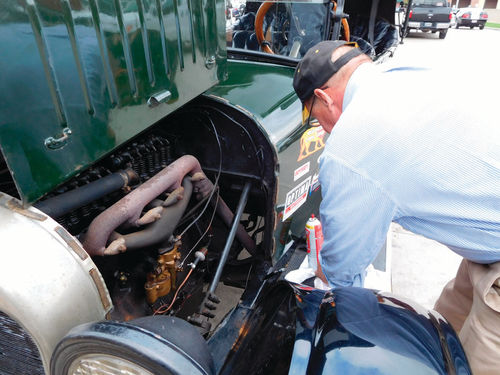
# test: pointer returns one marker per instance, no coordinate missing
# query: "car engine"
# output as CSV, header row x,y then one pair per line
x,y
156,215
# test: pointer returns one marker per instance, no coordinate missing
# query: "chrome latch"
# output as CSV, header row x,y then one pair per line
x,y
55,143
210,62
159,98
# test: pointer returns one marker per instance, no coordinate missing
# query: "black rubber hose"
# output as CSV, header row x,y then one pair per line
x,y
71,200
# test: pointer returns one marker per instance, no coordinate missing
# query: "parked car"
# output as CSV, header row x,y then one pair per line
x,y
430,16
471,17
155,187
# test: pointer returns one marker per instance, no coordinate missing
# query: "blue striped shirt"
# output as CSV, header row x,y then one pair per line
x,y
409,149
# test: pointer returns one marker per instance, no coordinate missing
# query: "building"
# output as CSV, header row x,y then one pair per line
x,y
486,4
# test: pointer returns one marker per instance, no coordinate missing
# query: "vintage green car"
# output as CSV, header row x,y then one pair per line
x,y
155,185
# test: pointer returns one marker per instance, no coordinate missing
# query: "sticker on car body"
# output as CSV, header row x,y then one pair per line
x,y
314,183
301,171
296,198
311,141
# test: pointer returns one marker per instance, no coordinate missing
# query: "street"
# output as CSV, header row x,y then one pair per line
x,y
463,50
421,267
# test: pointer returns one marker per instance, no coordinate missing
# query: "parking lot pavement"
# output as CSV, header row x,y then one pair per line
x,y
464,53
420,267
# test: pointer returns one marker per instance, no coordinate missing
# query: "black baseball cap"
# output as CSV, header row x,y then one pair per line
x,y
316,67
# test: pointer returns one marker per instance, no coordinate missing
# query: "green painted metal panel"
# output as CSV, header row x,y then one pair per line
x,y
265,92
76,77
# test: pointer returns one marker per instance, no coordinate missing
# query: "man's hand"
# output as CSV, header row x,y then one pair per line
x,y
320,274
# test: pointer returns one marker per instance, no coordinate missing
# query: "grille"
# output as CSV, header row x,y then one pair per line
x,y
18,353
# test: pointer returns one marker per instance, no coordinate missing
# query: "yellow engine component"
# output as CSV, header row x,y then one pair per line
x,y
162,280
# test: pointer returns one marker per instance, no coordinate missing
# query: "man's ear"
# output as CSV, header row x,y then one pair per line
x,y
323,96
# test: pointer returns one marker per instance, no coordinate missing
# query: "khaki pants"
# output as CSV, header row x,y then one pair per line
x,y
471,303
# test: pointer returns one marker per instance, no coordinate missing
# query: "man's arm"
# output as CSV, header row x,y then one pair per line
x,y
355,213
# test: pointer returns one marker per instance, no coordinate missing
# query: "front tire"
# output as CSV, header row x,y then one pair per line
x,y
442,34
471,27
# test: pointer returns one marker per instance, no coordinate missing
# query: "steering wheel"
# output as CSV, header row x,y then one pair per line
x,y
265,45
259,27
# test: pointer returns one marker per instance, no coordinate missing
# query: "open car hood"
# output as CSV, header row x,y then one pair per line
x,y
80,78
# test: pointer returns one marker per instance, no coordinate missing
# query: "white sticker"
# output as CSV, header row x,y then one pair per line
x,y
296,198
301,171
314,183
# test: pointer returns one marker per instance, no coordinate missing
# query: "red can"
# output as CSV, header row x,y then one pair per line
x,y
314,237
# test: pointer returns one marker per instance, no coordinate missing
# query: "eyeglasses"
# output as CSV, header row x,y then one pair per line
x,y
306,113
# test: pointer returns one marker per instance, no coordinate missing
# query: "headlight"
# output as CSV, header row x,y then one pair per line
x,y
157,345
102,364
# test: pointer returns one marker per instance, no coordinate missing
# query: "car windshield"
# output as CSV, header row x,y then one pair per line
x,y
286,28
290,28
430,3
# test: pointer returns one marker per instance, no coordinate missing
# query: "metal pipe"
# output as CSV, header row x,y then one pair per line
x,y
227,216
407,19
337,21
163,228
64,203
127,211
203,189
232,233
